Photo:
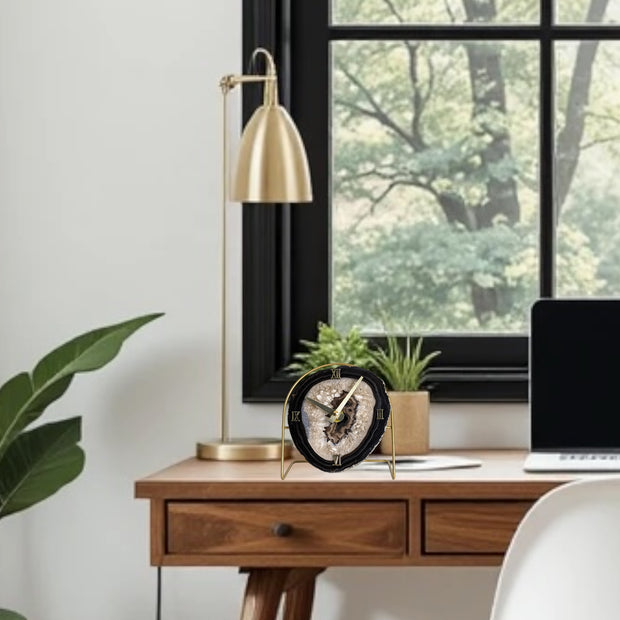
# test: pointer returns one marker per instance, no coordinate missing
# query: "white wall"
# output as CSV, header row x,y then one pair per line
x,y
109,207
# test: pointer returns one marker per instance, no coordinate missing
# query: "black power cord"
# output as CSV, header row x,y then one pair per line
x,y
158,604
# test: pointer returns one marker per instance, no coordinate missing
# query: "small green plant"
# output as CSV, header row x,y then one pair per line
x,y
403,370
331,347
37,462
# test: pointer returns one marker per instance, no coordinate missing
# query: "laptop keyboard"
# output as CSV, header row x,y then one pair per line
x,y
581,456
573,461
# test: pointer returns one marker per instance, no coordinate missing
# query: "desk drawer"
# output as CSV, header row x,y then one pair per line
x,y
310,528
470,527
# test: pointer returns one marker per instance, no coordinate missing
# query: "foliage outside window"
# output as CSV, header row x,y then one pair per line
x,y
436,202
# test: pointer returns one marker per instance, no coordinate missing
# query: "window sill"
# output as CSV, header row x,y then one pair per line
x,y
482,385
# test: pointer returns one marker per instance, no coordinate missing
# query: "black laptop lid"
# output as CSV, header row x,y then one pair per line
x,y
575,374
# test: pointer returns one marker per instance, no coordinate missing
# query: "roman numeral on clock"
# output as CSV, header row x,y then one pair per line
x,y
379,414
337,460
335,373
295,416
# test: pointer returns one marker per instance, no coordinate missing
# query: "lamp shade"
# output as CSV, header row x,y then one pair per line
x,y
272,165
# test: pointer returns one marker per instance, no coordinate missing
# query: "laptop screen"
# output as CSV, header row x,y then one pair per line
x,y
575,374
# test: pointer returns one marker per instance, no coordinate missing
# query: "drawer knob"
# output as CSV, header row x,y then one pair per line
x,y
281,529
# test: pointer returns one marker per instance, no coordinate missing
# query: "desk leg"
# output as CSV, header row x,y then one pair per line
x,y
263,592
265,587
300,593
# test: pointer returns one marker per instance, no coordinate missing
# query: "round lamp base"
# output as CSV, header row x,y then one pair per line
x,y
244,449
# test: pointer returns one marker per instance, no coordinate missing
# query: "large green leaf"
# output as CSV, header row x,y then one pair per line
x,y
24,397
38,463
6,614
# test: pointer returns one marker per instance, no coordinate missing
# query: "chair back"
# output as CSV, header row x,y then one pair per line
x,y
564,559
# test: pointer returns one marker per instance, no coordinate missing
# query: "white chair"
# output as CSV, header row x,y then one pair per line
x,y
564,560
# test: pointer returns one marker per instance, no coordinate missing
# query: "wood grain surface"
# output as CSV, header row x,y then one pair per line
x,y
484,526
371,528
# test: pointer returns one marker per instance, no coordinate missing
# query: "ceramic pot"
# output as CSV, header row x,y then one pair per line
x,y
411,429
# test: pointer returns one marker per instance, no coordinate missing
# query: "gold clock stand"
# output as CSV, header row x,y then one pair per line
x,y
390,426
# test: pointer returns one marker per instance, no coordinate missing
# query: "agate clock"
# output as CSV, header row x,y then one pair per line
x,y
337,415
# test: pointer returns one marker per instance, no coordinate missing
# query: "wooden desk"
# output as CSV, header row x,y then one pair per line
x,y
284,533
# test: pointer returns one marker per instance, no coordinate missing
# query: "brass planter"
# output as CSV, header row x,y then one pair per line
x,y
410,412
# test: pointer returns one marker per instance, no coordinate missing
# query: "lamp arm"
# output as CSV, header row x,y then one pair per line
x,y
228,82
270,79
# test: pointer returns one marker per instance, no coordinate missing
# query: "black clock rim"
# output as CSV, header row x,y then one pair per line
x,y
372,438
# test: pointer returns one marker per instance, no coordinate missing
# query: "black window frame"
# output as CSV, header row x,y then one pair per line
x,y
286,247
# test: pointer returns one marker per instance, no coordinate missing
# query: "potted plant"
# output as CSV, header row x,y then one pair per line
x,y
405,372
37,462
331,347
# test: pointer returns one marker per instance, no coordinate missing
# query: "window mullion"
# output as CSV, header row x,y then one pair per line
x,y
547,218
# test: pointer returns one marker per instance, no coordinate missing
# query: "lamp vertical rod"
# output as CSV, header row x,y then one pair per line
x,y
224,431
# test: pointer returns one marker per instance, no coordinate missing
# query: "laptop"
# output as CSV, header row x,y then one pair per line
x,y
575,385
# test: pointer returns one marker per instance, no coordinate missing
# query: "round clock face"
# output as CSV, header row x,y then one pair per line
x,y
337,416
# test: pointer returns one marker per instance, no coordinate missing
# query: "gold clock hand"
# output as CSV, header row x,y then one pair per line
x,y
329,410
338,411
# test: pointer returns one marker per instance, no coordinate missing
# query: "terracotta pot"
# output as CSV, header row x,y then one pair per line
x,y
410,417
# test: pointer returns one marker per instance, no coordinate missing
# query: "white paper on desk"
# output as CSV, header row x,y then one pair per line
x,y
423,463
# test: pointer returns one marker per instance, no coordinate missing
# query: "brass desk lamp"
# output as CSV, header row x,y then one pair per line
x,y
272,168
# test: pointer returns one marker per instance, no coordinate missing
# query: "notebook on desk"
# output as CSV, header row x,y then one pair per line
x,y
575,385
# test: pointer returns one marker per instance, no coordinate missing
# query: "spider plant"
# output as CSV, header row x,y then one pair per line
x,y
404,370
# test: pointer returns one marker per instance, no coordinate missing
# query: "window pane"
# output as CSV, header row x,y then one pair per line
x,y
587,165
434,11
434,185
588,11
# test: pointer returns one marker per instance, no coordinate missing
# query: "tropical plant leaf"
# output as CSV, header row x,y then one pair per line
x,y
89,351
7,614
38,463
24,397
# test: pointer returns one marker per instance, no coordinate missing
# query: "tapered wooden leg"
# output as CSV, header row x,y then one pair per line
x,y
300,593
263,592
265,587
